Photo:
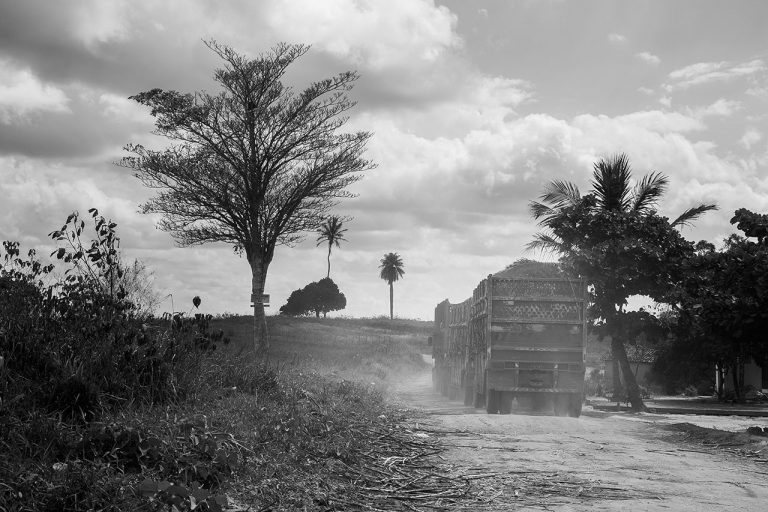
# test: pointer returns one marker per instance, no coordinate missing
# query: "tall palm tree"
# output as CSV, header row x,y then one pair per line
x,y
612,192
331,233
391,270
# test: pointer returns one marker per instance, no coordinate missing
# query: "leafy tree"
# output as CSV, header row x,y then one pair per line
x,y
722,301
317,297
296,305
524,267
324,296
255,165
391,270
615,240
331,232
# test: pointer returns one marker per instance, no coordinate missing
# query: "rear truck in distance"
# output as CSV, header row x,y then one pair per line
x,y
516,344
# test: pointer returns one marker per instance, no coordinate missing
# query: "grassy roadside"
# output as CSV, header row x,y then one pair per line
x,y
308,432
362,349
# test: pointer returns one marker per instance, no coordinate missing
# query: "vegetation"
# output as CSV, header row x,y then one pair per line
x,y
331,233
532,268
255,165
391,270
721,305
614,239
104,408
317,297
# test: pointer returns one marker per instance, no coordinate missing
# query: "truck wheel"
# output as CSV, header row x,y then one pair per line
x,y
574,407
492,401
469,392
562,405
505,402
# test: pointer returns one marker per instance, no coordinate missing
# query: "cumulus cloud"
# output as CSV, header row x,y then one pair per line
x,y
617,38
369,34
648,58
708,72
460,151
23,93
720,108
750,138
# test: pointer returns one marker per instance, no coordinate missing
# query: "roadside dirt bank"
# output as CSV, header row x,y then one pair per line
x,y
597,462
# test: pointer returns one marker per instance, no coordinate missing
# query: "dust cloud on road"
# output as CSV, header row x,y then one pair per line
x,y
597,462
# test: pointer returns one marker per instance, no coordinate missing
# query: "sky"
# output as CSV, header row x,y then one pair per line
x,y
474,107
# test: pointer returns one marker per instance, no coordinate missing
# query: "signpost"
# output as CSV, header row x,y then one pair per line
x,y
263,300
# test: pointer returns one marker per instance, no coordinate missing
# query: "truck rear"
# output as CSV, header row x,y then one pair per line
x,y
516,344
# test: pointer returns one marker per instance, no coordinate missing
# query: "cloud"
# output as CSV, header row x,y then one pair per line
x,y
720,108
617,38
95,124
648,58
22,94
708,72
758,92
646,90
750,138
95,22
369,34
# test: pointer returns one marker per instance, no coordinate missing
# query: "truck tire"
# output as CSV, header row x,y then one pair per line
x,y
469,392
492,401
562,404
574,406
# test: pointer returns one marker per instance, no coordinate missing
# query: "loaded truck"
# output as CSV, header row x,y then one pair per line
x,y
518,344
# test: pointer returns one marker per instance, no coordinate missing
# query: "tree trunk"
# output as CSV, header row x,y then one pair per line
x,y
630,383
329,262
258,277
720,380
738,378
617,388
391,299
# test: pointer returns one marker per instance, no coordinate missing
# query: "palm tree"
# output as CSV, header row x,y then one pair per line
x,y
332,233
612,192
611,183
391,270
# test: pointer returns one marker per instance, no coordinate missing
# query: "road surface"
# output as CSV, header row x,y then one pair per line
x,y
597,462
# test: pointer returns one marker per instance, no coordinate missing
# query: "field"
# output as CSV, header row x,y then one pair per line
x,y
369,350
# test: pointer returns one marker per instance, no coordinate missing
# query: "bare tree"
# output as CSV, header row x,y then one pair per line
x,y
256,165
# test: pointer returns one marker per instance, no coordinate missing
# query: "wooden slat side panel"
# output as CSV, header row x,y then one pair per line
x,y
537,310
537,335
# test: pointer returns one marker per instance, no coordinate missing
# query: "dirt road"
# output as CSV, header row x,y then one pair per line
x,y
597,462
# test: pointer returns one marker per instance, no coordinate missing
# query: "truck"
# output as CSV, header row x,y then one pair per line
x,y
517,344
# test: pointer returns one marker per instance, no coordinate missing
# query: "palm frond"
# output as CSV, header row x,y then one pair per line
x,y
539,210
560,193
331,232
692,214
545,242
391,267
611,182
648,191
